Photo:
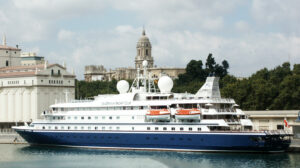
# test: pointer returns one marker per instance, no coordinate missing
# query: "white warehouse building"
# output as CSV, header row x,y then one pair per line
x,y
26,91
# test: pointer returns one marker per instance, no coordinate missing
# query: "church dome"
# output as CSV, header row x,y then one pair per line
x,y
144,38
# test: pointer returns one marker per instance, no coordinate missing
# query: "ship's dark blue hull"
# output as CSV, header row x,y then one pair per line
x,y
255,142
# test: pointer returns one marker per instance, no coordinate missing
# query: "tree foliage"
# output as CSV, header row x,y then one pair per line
x,y
275,89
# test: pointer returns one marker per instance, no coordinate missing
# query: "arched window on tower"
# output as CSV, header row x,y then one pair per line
x,y
146,51
6,63
139,51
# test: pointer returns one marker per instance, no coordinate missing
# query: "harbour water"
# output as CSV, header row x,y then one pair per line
x,y
25,156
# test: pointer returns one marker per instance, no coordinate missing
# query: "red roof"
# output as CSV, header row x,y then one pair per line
x,y
9,48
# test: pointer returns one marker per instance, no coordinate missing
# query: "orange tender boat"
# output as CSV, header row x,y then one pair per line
x,y
158,114
188,114
193,111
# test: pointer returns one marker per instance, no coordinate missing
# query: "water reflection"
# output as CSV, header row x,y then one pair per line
x,y
37,156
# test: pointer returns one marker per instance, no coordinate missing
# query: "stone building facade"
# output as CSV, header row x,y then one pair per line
x,y
143,52
9,56
30,58
26,91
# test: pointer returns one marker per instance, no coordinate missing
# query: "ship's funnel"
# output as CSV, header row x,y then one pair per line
x,y
210,89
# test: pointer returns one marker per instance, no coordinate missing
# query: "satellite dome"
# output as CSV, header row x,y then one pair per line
x,y
122,86
145,63
165,84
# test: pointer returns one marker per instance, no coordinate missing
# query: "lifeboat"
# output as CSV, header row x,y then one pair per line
x,y
158,114
188,114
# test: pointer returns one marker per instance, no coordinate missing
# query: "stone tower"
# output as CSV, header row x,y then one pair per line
x,y
143,50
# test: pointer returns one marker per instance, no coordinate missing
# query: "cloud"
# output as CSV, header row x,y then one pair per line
x,y
65,35
249,35
242,26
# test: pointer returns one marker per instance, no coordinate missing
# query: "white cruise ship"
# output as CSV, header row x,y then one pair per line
x,y
143,117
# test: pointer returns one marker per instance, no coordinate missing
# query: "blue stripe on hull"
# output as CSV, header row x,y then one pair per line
x,y
199,141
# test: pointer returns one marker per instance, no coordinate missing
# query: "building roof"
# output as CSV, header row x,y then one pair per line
x,y
273,113
5,47
16,71
28,67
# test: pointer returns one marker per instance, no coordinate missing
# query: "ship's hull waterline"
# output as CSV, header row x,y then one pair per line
x,y
165,141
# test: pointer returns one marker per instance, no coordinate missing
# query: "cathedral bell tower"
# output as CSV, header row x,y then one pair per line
x,y
143,49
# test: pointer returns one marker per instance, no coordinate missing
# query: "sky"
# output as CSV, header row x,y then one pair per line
x,y
249,34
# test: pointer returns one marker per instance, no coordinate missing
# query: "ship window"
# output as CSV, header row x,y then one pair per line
x,y
118,128
89,128
82,118
75,127
132,117
173,128
156,128
124,108
43,127
141,107
181,128
165,128
89,117
49,127
103,128
82,128
180,139
55,127
62,127
53,118
69,118
103,117
118,117
96,117
69,127
110,117
75,117
132,128
96,128
199,129
110,128
280,127
190,129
